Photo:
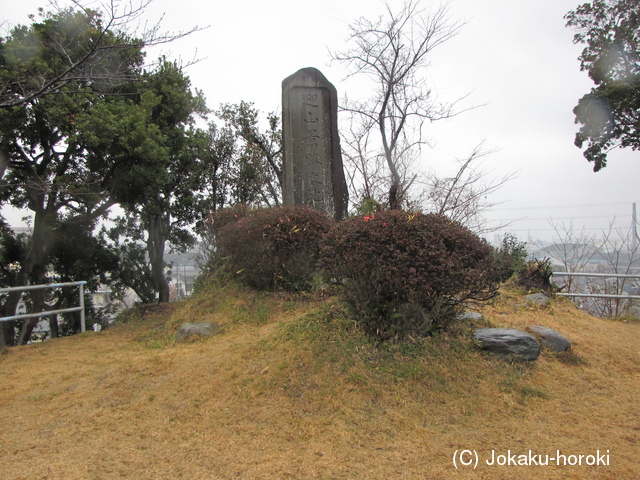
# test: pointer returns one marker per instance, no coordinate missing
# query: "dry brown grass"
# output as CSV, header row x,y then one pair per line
x,y
291,390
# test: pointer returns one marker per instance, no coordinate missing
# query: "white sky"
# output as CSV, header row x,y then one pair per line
x,y
514,57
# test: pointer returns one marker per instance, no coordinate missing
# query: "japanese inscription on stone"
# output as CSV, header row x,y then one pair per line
x,y
313,172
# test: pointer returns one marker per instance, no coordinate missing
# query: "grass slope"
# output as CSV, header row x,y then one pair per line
x,y
291,390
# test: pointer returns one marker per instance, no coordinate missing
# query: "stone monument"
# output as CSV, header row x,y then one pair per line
x,y
313,172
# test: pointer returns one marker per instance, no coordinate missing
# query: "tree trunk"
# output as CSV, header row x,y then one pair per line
x,y
53,326
389,150
7,334
41,242
394,189
155,248
10,306
394,201
38,298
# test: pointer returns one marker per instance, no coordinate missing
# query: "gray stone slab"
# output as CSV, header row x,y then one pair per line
x,y
550,338
190,330
539,298
469,315
508,343
313,170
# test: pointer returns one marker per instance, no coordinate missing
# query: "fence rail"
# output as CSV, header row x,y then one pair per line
x,y
601,275
46,313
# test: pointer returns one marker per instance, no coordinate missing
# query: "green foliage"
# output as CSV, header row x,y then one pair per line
x,y
47,141
76,254
405,273
608,114
254,174
69,48
81,254
121,133
103,138
215,154
368,206
510,257
536,275
274,247
163,164
112,133
13,250
134,272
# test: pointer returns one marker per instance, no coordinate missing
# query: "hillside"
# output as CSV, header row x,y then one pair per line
x,y
291,390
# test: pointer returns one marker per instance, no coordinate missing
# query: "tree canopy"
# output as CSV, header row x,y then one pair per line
x,y
162,197
256,169
75,46
47,166
609,114
113,131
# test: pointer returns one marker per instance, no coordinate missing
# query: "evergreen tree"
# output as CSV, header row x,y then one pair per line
x,y
609,114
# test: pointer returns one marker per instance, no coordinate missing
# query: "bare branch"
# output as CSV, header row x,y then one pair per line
x,y
94,58
393,51
464,197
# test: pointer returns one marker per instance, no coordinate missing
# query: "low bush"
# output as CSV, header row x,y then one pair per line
x,y
274,247
405,273
536,275
510,257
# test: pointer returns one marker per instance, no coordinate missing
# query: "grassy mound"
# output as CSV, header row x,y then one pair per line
x,y
291,389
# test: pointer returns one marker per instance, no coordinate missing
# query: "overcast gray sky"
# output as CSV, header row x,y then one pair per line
x,y
516,58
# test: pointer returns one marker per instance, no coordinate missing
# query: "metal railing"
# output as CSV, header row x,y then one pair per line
x,y
601,275
47,313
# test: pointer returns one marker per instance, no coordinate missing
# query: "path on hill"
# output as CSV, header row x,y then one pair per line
x,y
267,401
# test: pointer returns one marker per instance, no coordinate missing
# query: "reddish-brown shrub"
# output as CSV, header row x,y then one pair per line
x,y
406,272
208,258
215,221
274,247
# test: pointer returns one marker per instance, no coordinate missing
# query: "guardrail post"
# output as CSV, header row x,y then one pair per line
x,y
82,321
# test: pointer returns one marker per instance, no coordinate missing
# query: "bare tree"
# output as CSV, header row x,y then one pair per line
x,y
574,249
614,251
393,51
85,56
464,197
366,176
620,254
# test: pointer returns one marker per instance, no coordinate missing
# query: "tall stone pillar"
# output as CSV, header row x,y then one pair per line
x,y
313,171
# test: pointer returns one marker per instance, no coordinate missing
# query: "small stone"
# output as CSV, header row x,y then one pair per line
x,y
508,343
539,298
189,330
550,338
469,315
